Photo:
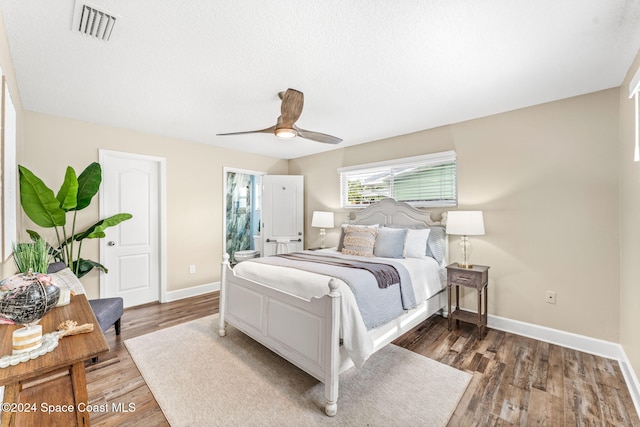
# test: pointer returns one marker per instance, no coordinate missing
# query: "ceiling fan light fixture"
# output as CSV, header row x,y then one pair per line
x,y
286,133
290,110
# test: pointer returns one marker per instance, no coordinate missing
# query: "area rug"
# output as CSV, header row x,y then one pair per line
x,y
201,379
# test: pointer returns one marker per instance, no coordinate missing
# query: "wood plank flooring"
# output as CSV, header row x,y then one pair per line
x,y
517,381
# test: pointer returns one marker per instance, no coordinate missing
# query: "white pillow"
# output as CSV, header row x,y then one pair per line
x,y
415,245
66,277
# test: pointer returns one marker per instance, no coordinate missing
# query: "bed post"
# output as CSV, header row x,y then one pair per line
x,y
223,295
333,352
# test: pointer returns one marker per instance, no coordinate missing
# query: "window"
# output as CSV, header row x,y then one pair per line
x,y
428,180
634,88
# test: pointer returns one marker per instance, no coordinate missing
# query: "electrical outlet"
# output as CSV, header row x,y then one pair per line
x,y
551,297
192,269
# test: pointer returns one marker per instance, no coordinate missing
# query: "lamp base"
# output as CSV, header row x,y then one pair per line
x,y
323,233
465,252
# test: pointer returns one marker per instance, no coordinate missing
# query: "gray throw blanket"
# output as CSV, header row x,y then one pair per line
x,y
386,275
376,305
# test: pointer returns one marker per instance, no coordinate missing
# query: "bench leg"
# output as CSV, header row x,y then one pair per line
x,y
117,326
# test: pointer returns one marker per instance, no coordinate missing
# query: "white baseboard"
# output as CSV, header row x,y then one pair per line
x,y
632,380
583,343
191,292
590,345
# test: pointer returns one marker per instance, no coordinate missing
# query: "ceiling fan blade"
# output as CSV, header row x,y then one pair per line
x,y
267,130
292,103
318,137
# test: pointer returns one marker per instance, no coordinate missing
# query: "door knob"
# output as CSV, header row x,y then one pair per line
x,y
111,243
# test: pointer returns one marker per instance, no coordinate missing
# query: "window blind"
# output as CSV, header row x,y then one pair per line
x,y
429,180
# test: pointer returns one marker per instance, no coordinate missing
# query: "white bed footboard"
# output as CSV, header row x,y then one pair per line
x,y
304,332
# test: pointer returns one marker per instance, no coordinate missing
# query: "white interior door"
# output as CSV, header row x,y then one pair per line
x,y
282,214
132,250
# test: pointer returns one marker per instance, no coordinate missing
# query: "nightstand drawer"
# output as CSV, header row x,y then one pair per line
x,y
469,278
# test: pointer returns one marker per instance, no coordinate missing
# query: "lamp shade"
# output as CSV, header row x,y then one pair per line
x,y
322,219
465,223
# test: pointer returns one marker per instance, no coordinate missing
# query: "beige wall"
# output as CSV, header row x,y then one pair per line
x,y
194,182
546,179
629,209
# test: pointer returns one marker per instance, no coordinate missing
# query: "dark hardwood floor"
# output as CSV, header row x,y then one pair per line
x,y
516,380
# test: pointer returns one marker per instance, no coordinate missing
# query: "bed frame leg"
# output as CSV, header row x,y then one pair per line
x,y
222,331
333,365
331,408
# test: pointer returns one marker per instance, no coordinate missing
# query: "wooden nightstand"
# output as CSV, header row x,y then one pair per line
x,y
476,277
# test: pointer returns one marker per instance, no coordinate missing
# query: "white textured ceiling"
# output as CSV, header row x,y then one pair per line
x,y
369,70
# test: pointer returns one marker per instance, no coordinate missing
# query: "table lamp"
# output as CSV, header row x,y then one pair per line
x,y
465,224
322,220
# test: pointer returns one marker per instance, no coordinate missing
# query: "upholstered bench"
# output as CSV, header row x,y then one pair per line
x,y
108,311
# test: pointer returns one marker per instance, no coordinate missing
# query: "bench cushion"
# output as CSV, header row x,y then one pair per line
x,y
107,310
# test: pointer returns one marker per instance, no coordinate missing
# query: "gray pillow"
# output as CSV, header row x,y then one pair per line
x,y
390,243
435,243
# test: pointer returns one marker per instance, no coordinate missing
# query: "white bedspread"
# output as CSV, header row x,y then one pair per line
x,y
425,275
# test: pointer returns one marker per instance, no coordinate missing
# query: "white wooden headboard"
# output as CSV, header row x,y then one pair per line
x,y
388,212
391,212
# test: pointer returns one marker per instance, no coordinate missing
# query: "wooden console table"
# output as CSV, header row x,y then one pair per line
x,y
51,389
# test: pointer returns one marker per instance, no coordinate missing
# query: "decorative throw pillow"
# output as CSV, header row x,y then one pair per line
x,y
436,243
66,277
344,226
390,242
415,245
359,241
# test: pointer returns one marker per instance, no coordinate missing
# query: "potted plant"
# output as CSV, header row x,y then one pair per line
x,y
33,256
50,211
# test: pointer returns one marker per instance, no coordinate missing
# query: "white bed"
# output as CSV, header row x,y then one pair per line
x,y
305,316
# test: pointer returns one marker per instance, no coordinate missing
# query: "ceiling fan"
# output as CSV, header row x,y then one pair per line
x,y
290,110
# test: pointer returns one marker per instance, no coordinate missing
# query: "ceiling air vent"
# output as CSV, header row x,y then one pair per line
x,y
93,22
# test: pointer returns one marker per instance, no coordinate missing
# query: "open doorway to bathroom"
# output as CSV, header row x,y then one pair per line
x,y
243,207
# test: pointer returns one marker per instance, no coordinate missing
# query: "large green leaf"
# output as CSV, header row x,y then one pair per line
x,y
88,185
96,231
83,266
38,201
68,194
34,235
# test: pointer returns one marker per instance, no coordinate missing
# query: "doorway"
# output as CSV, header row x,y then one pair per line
x,y
133,251
242,211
